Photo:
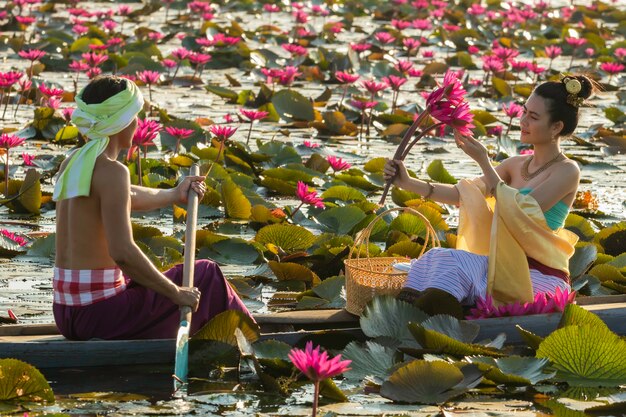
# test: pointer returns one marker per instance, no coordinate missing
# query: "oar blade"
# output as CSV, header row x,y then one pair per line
x,y
181,366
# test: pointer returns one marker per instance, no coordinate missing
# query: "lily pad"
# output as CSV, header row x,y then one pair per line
x,y
388,317
341,220
221,328
583,258
22,382
513,370
293,106
235,251
442,343
289,271
372,359
236,204
287,237
437,172
342,193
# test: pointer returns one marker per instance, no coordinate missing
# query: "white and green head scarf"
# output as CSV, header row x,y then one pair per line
x,y
96,122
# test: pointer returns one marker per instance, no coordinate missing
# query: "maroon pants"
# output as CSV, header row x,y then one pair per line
x,y
141,313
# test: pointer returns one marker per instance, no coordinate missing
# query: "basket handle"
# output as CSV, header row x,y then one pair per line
x,y
363,237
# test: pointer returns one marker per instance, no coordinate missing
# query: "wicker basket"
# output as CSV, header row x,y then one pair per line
x,y
368,277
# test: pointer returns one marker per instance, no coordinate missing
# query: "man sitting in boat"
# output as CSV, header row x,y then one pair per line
x,y
104,286
511,243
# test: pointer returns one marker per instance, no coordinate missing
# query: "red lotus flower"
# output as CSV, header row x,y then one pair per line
x,y
94,59
148,77
542,303
181,53
612,67
384,38
78,66
411,43
93,72
287,75
307,197
310,144
576,42
271,8
8,141
67,113
198,58
373,87
404,66
15,238
253,115
32,54
363,105
345,77
394,82
180,134
451,90
25,20
317,366
360,47
146,132
553,51
513,110
50,91
295,49
28,159
337,164
223,133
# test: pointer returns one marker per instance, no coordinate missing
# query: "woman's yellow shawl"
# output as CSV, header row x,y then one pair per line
x,y
508,229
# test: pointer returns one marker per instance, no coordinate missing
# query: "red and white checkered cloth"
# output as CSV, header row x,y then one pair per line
x,y
80,287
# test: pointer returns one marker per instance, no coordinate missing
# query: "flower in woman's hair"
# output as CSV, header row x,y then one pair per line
x,y
32,54
178,132
148,77
363,105
612,67
28,159
553,51
345,77
394,82
222,133
373,87
15,238
316,365
513,110
337,164
8,141
253,115
308,197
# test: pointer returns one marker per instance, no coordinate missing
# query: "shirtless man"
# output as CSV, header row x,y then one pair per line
x,y
104,285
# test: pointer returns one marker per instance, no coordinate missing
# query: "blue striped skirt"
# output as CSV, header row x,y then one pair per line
x,y
464,275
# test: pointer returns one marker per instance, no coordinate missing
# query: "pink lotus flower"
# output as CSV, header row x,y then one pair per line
x,y
50,91
28,159
67,113
543,303
317,366
411,44
80,29
109,25
15,238
360,47
337,164
93,72
422,24
345,77
373,87
384,38
519,66
473,49
25,20
32,54
301,17
476,10
536,69
620,53
146,132
180,134
7,142
124,10
311,145
94,59
428,54
198,58
181,53
307,197
414,72
222,133
553,51
495,130
394,82
451,90
169,63
400,24
590,52
505,54
363,105
253,115
295,49
575,42
513,110
78,66
404,66
492,64
287,75
271,8
612,67
148,77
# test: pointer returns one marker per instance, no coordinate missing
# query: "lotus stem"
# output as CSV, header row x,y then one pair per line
x,y
421,135
6,175
139,171
249,132
316,395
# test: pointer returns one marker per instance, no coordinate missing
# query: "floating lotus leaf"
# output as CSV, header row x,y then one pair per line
x,y
586,355
370,359
287,237
289,175
144,233
292,106
512,370
435,68
181,160
375,165
531,339
82,44
312,303
208,153
230,95
583,258
396,129
342,193
8,248
438,173
235,251
330,391
439,342
357,181
318,163
262,214
575,315
21,382
30,192
330,289
400,197
580,226
615,115
222,327
66,133
158,244
236,205
280,153
501,86
404,248
289,271
484,117
613,238
463,331
386,316
341,220
423,382
619,261
606,272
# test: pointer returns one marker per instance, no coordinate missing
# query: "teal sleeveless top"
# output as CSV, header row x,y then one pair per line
x,y
555,216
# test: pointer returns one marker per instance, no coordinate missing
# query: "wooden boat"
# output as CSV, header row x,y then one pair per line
x,y
41,344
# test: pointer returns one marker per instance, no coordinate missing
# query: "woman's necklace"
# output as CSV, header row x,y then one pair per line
x,y
527,176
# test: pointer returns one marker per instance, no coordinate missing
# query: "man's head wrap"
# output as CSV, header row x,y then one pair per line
x,y
96,122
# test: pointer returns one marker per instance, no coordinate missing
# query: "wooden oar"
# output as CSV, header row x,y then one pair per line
x,y
182,346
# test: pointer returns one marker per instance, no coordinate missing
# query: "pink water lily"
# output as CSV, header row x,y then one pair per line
x,y
15,238
611,68
222,133
253,115
179,133
94,59
7,142
307,196
337,164
50,91
149,78
317,366
542,303
28,159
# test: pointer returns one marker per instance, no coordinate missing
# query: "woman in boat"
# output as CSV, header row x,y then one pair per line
x,y
104,285
511,243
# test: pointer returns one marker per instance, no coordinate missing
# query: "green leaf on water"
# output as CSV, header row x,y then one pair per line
x,y
512,370
235,251
615,115
437,172
289,238
236,205
342,193
22,382
223,92
501,86
442,343
340,220
293,106
289,271
484,117
371,359
581,226
222,327
386,316
584,256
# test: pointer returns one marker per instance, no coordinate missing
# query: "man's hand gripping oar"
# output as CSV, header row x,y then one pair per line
x,y
181,367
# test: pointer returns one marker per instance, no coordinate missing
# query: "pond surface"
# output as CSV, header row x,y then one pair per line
x,y
26,287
